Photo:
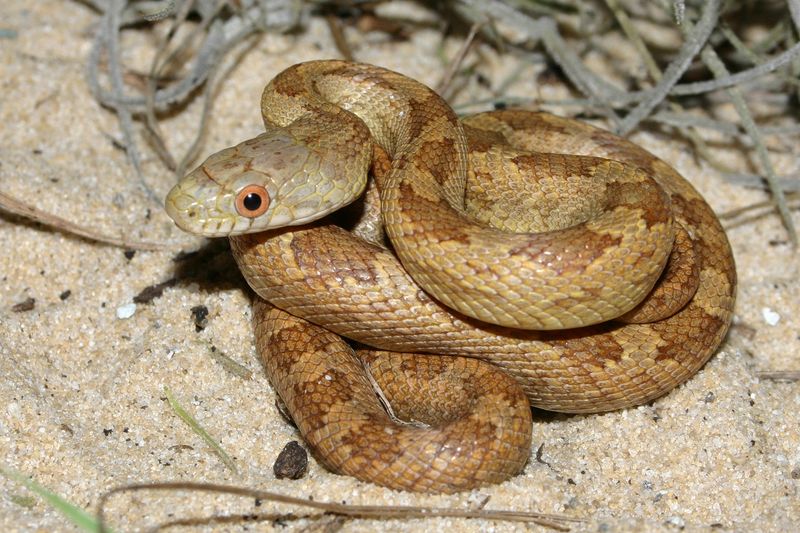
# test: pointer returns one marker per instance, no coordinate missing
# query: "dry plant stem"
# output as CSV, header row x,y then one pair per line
x,y
16,207
779,375
794,71
339,38
595,88
109,36
720,71
794,10
731,80
194,148
557,522
794,67
754,181
321,523
657,75
684,119
455,64
750,219
630,30
621,98
724,81
213,83
791,195
512,78
219,36
215,44
717,67
695,39
157,66
752,56
774,38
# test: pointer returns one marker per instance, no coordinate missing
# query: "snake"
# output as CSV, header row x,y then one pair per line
x,y
422,279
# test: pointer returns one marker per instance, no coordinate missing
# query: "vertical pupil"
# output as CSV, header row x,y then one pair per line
x,y
252,201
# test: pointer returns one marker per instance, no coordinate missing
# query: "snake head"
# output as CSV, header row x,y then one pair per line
x,y
268,182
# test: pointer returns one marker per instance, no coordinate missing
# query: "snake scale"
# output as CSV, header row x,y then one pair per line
x,y
506,258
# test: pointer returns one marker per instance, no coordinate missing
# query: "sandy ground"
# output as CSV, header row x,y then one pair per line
x,y
82,401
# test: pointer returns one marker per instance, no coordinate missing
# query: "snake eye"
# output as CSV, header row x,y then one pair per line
x,y
252,201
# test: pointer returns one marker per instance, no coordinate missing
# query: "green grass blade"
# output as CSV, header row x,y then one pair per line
x,y
192,423
71,512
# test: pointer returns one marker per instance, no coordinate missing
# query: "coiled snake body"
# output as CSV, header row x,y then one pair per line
x,y
587,271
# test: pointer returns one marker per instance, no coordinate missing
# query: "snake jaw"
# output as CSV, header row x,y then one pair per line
x,y
188,205
199,221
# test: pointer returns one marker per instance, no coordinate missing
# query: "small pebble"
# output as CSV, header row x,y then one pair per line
x,y
25,305
126,311
770,316
675,521
292,462
200,316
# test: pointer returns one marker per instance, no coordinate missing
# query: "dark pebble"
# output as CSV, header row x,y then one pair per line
x,y
292,462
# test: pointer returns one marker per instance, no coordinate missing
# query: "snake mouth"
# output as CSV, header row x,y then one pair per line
x,y
182,208
184,219
193,216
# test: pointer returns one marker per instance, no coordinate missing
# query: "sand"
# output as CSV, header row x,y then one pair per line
x,y
82,394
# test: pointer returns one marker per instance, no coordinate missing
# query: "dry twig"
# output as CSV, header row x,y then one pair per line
x,y
12,205
375,512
